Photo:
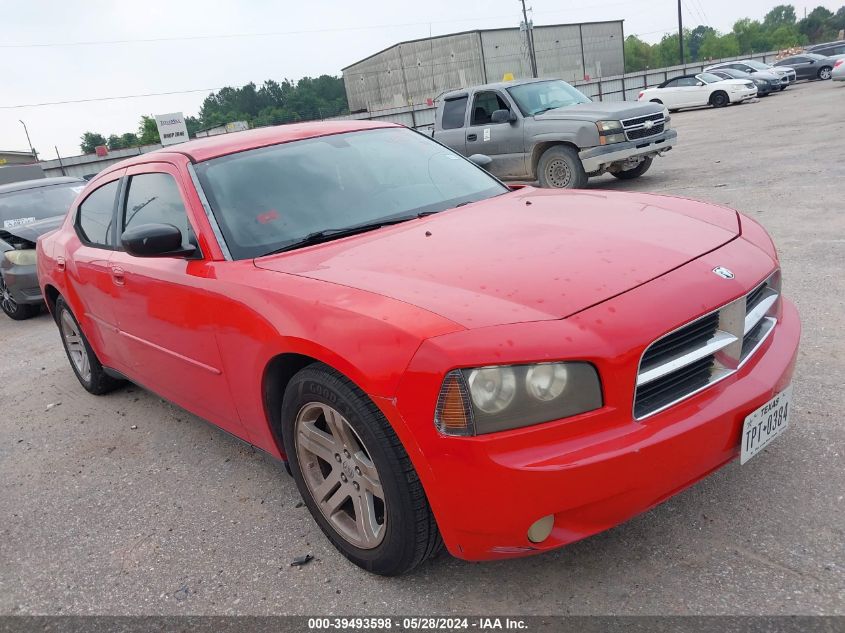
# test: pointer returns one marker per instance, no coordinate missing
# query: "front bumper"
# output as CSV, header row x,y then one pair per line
x,y
598,469
599,158
738,96
22,282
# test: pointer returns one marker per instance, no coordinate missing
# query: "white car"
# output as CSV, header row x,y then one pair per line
x,y
838,73
703,89
787,75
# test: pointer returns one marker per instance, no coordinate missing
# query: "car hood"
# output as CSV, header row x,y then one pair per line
x,y
601,111
32,231
525,256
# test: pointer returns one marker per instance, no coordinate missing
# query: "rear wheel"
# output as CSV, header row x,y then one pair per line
x,y
719,99
561,168
13,309
354,475
825,72
636,172
82,359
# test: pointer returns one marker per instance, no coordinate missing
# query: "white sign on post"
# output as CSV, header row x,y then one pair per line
x,y
171,128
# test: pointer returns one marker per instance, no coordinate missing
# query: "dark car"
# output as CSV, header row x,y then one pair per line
x,y
828,48
766,83
809,65
28,209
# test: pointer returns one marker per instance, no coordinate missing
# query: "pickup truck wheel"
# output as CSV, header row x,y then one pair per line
x,y
560,168
354,474
719,99
636,172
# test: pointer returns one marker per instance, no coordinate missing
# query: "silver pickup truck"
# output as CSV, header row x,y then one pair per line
x,y
547,130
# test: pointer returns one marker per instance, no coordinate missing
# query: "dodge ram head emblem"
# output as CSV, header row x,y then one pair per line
x,y
724,273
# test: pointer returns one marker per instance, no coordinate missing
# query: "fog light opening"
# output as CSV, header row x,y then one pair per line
x,y
540,529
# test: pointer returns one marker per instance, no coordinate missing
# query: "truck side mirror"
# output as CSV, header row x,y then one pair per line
x,y
502,116
481,160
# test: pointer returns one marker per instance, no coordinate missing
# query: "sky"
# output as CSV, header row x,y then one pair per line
x,y
65,50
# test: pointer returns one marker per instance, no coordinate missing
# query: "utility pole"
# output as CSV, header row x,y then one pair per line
x,y
28,141
681,32
529,34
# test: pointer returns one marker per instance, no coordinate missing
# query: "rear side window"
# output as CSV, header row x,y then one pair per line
x,y
155,199
95,218
454,112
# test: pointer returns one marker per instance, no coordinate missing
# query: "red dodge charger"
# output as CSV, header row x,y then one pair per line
x,y
438,358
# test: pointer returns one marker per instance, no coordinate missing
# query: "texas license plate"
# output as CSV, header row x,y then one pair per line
x,y
765,424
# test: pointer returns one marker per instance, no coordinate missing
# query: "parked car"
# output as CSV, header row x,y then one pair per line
x,y
838,73
766,83
687,91
28,209
828,48
546,130
809,65
440,359
752,66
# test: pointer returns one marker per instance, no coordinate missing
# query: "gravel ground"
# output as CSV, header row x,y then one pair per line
x,y
174,516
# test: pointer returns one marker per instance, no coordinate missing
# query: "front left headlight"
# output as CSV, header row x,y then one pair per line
x,y
24,257
610,132
483,400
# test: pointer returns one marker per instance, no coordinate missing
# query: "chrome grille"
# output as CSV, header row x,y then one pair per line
x,y
706,350
644,126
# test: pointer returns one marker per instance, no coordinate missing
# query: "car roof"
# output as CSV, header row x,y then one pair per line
x,y
206,148
38,182
496,85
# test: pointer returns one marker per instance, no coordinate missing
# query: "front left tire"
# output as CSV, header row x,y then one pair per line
x,y
825,72
13,309
719,99
84,362
354,474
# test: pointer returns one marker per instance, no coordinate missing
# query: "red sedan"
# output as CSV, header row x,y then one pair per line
x,y
438,358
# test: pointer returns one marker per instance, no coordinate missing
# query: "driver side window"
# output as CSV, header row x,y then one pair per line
x,y
483,107
155,199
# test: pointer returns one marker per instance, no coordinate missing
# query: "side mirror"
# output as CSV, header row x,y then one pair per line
x,y
502,116
481,160
699,83
155,240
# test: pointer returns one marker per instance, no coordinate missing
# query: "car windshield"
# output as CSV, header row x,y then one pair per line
x,y
29,205
756,64
540,96
709,78
278,197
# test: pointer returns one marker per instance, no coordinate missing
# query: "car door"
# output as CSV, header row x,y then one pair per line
x,y
85,264
670,94
804,66
503,142
166,306
451,130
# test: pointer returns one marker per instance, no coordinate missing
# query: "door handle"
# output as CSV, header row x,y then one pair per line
x,y
117,275
472,137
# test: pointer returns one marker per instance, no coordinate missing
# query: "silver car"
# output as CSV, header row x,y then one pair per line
x,y
787,75
28,209
838,72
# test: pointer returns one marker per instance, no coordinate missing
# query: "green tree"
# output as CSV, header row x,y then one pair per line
x,y
639,55
819,25
781,15
696,37
751,36
90,140
148,131
115,142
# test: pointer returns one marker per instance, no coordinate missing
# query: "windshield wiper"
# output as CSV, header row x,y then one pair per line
x,y
327,235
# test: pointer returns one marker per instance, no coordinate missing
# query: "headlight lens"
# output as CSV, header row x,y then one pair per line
x,y
25,257
609,126
491,388
490,399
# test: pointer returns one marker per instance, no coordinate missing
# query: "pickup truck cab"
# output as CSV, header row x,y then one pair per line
x,y
546,130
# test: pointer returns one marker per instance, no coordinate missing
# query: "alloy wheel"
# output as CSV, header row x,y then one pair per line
x,y
75,345
340,475
558,174
825,73
7,302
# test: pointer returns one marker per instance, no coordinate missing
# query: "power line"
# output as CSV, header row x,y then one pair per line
x,y
148,94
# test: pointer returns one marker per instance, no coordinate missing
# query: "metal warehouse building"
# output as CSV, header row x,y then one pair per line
x,y
413,72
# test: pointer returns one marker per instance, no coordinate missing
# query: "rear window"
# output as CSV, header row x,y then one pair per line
x,y
454,112
18,208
